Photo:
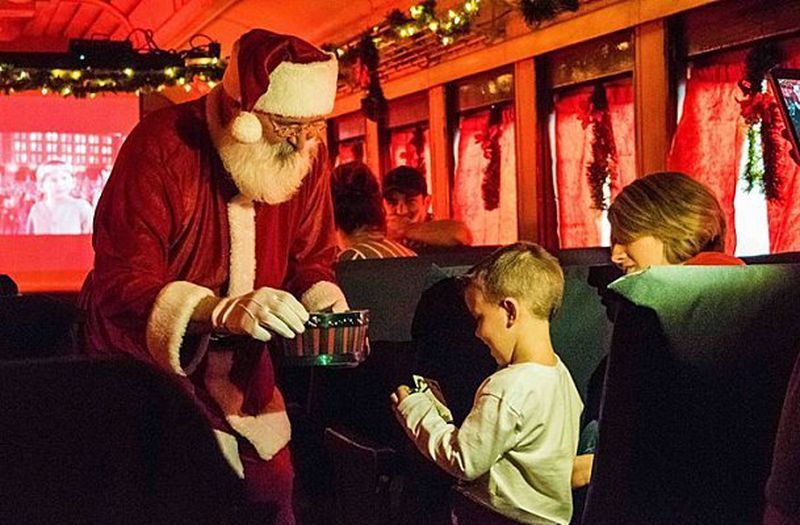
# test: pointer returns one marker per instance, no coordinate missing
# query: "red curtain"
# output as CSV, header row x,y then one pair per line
x,y
488,226
784,214
708,142
404,146
620,108
579,222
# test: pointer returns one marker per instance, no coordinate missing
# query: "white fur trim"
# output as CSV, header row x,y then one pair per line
x,y
324,295
242,227
301,90
263,172
167,324
268,432
246,127
230,450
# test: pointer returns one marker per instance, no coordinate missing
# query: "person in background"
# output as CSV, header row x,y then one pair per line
x,y
58,212
406,199
519,440
667,218
360,217
214,234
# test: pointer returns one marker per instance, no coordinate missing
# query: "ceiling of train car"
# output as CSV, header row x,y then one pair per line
x,y
48,25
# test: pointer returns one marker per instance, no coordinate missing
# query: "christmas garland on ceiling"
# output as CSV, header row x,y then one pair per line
x,y
762,116
602,170
359,58
91,67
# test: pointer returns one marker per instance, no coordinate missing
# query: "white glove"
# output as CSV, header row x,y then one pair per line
x,y
259,313
325,296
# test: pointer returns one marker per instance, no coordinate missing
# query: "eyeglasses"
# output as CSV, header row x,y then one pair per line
x,y
289,130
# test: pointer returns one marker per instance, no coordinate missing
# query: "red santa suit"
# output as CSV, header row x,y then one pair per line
x,y
172,229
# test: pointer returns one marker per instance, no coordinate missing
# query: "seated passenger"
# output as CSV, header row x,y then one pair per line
x,y
405,195
520,437
360,218
667,218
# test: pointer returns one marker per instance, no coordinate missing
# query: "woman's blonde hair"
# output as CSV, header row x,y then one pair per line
x,y
524,271
675,209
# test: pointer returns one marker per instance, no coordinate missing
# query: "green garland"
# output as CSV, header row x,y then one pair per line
x,y
83,82
761,114
423,18
537,11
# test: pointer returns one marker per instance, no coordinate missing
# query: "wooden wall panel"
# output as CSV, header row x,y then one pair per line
x,y
651,97
441,159
526,135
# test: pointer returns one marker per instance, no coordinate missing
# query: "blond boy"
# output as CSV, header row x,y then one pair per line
x,y
519,440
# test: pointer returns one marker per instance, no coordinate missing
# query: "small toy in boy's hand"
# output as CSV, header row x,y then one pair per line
x,y
431,388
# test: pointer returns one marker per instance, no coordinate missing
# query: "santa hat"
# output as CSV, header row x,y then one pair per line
x,y
279,74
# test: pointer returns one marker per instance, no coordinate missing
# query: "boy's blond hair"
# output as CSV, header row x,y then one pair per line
x,y
675,209
524,271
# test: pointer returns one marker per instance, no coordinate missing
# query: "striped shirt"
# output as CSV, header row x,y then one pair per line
x,y
374,245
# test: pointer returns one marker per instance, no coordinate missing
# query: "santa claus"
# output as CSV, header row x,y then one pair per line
x,y
214,233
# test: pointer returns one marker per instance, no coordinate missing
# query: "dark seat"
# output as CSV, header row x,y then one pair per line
x,y
37,326
698,367
362,474
106,441
773,258
390,288
783,486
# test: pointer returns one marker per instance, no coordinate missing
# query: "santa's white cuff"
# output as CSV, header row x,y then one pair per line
x,y
168,321
324,295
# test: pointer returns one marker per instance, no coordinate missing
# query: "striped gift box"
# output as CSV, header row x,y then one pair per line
x,y
330,339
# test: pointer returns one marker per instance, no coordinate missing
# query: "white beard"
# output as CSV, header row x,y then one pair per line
x,y
263,172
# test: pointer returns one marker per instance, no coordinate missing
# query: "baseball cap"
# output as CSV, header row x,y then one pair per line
x,y
406,180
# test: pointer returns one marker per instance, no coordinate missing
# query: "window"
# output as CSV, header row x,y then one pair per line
x,y
405,139
346,138
711,142
484,185
591,124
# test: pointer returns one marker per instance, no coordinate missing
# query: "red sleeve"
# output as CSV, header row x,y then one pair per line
x,y
137,217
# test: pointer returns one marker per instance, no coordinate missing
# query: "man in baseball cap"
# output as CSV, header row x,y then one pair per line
x,y
406,200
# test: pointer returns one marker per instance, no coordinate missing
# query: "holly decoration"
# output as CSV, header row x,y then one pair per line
x,y
762,116
490,144
602,170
